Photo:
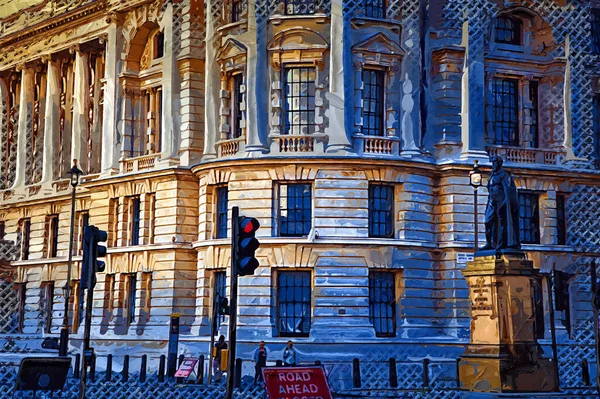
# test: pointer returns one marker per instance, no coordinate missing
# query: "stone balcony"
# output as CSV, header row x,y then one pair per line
x,y
525,155
226,148
138,164
377,145
298,143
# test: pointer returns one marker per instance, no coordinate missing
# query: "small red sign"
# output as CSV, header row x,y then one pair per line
x,y
296,383
186,367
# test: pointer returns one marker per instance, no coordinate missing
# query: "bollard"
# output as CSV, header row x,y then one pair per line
x,y
393,373
125,368
93,368
238,373
200,374
143,368
356,372
76,368
179,379
161,368
585,372
425,373
458,372
109,361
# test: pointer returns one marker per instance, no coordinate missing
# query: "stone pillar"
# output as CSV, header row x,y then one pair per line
x,y
24,124
111,134
473,94
81,89
256,88
503,355
211,92
336,131
51,121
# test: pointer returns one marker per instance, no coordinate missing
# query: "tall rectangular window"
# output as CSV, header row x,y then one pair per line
x,y
538,304
236,10
25,238
130,299
237,98
76,306
159,45
561,220
47,304
293,204
506,111
375,8
113,221
299,94
382,303
381,211
222,209
294,303
508,30
52,235
135,220
596,31
533,97
529,218
109,293
21,289
219,293
299,7
373,100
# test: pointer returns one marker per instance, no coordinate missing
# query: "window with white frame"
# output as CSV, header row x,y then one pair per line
x,y
293,298
293,209
373,102
529,217
300,7
382,302
236,86
299,97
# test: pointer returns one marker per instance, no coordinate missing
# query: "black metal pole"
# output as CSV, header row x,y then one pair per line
x,y
213,330
475,200
86,340
235,214
596,327
64,330
550,282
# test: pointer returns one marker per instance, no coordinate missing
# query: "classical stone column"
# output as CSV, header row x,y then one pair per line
x,y
473,94
81,88
211,92
111,135
170,107
24,124
51,121
336,131
256,88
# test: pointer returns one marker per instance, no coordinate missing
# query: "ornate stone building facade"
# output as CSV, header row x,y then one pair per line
x,y
347,128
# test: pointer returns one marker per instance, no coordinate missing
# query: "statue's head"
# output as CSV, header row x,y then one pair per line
x,y
497,162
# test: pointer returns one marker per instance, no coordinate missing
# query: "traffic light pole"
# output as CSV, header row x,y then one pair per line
x,y
86,354
64,330
235,215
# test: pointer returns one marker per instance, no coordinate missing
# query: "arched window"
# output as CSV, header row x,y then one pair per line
x,y
508,30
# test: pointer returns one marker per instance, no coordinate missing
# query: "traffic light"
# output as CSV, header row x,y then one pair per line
x,y
247,244
224,307
90,264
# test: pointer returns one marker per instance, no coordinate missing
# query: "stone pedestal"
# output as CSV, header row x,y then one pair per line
x,y
503,355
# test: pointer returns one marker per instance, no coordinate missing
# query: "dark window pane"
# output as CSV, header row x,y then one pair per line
x,y
294,303
529,218
561,220
219,292
295,209
160,45
596,31
53,236
382,303
26,235
299,94
236,11
375,8
47,304
533,97
596,126
237,100
508,30
135,221
299,7
381,211
131,282
222,207
506,111
373,97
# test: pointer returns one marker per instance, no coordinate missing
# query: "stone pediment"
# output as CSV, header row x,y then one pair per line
x,y
298,39
231,49
380,44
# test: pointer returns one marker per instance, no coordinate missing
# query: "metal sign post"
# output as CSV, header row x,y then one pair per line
x,y
233,303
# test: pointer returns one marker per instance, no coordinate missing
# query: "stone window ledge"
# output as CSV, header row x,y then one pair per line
x,y
137,164
525,155
280,18
377,145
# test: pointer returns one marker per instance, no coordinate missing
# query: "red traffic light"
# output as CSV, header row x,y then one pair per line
x,y
249,225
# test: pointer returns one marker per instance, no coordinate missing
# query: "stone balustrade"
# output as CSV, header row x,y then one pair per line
x,y
138,164
523,155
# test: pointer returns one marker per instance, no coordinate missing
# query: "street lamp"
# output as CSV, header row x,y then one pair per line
x,y
75,173
475,178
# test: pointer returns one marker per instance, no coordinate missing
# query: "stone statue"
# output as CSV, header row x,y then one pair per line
x,y
502,211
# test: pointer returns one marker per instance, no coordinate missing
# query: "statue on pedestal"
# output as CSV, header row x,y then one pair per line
x,y
502,211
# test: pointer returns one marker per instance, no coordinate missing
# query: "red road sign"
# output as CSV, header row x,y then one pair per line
x,y
186,367
296,383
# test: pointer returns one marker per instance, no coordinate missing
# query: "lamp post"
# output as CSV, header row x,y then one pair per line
x,y
475,180
75,173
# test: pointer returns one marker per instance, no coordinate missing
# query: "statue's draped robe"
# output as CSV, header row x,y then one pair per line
x,y
502,212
